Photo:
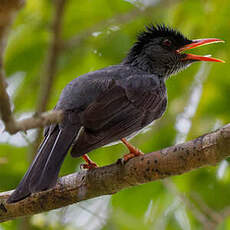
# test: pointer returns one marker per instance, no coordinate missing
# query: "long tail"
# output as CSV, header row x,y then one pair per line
x,y
43,172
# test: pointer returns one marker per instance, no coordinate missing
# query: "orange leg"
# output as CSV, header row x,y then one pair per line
x,y
89,163
133,152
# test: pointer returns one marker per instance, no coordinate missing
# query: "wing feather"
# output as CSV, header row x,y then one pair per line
x,y
122,110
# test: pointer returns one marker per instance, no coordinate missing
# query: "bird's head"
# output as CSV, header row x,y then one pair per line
x,y
160,50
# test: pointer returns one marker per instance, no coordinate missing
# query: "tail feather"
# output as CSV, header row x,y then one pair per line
x,y
49,175
43,172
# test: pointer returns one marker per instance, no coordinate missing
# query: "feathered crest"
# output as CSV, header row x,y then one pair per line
x,y
160,30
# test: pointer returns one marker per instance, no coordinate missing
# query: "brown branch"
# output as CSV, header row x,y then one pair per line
x,y
208,149
199,215
225,212
37,121
50,68
8,8
209,212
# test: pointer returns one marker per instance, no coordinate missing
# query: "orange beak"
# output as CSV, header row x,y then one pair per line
x,y
198,43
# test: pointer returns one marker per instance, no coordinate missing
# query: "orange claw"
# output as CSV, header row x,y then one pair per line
x,y
89,163
133,152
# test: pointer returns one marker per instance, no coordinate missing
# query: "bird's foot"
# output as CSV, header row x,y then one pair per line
x,y
133,151
89,163
89,166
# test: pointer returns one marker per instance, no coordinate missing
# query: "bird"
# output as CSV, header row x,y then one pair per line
x,y
111,104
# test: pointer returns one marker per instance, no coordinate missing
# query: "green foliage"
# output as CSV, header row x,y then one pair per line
x,y
150,206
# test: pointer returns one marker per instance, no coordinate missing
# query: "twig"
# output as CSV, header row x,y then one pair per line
x,y
225,212
7,13
215,216
8,10
208,149
53,54
50,66
196,212
37,121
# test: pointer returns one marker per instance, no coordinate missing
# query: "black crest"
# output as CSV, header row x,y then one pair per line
x,y
152,32
145,37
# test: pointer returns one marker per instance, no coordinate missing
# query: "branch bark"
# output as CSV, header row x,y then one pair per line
x,y
50,69
37,121
208,149
8,10
48,74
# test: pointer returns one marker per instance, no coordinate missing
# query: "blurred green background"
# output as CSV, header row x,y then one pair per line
x,y
96,34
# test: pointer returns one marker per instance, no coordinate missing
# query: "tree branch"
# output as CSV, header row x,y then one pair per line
x,y
199,215
8,9
7,14
48,73
208,149
37,121
52,57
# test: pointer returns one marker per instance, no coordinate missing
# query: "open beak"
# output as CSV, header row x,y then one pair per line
x,y
198,43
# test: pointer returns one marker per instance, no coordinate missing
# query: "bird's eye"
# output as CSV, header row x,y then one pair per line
x,y
167,42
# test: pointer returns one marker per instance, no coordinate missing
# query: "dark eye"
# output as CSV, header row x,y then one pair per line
x,y
167,42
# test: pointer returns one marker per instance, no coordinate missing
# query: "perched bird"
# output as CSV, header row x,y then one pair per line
x,y
111,104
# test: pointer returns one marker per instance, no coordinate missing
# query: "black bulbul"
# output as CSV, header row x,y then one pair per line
x,y
111,104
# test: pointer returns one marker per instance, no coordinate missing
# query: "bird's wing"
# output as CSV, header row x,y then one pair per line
x,y
119,112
